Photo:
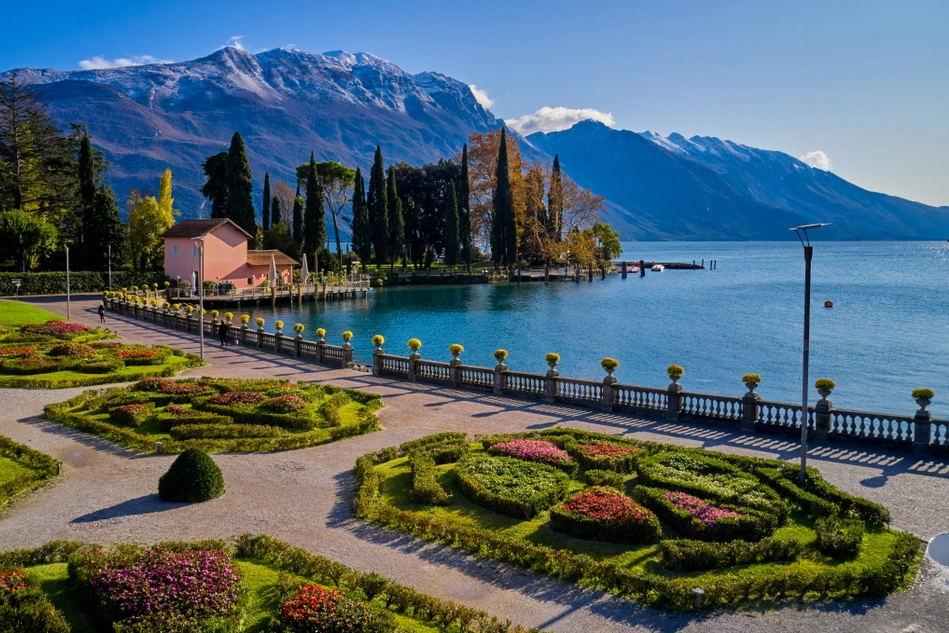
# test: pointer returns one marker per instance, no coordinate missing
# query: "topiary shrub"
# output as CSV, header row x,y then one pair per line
x,y
839,538
192,477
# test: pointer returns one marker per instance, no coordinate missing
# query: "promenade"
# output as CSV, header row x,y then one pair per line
x,y
108,494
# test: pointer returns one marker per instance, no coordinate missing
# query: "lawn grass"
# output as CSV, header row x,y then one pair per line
x,y
19,313
66,379
11,469
22,468
264,598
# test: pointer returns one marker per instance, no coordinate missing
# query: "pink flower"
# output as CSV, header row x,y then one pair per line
x,y
533,451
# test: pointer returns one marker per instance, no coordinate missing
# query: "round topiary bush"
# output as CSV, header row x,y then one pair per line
x,y
192,477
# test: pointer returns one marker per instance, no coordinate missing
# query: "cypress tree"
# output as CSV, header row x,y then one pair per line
x,y
362,235
503,202
297,233
240,189
451,227
266,204
464,210
275,211
396,221
314,218
378,208
555,201
215,189
87,190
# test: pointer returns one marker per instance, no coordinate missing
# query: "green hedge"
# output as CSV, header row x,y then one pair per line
x,y
632,530
498,483
444,448
686,555
751,525
606,478
43,467
425,488
54,283
223,431
839,538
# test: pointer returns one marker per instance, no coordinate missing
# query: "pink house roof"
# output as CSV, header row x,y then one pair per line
x,y
191,229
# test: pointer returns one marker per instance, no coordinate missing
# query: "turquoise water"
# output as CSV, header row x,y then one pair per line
x,y
887,334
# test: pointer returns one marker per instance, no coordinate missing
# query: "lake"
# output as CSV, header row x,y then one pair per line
x,y
887,334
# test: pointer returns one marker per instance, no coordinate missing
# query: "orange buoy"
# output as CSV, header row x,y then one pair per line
x,y
828,304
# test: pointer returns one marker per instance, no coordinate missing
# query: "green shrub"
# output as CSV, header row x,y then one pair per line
x,y
425,488
606,478
511,486
100,366
839,538
192,477
604,514
29,366
445,448
864,509
810,504
24,608
689,555
130,414
331,409
219,431
750,525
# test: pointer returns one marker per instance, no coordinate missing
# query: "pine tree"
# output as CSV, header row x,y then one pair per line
x,y
378,209
451,227
215,189
503,201
240,188
555,201
464,210
396,221
314,218
362,236
297,232
265,211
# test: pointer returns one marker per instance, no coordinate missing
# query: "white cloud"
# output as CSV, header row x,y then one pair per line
x,y
235,41
549,119
97,62
482,96
817,159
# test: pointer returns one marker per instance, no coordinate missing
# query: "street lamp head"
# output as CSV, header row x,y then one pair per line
x,y
802,230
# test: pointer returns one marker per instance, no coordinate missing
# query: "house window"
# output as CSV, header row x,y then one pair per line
x,y
194,251
174,251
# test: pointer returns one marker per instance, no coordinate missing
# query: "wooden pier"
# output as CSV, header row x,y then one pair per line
x,y
258,297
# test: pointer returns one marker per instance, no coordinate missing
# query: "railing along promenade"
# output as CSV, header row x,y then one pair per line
x,y
919,433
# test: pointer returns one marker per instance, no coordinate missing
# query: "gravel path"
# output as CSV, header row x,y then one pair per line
x,y
303,497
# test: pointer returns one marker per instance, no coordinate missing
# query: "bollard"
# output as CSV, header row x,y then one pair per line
x,y
59,468
697,594
158,447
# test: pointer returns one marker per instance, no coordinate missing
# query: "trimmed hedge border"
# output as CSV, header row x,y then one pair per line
x,y
517,508
265,550
45,467
646,530
686,555
91,380
847,580
425,488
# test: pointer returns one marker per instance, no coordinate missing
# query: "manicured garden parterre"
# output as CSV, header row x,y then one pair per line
x,y
645,520
250,584
56,354
219,414
22,468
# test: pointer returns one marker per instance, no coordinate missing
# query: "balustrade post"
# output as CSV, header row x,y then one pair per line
x,y
347,356
260,337
749,406
244,331
454,372
499,370
551,385
298,344
377,361
609,396
674,396
922,427
823,412
413,366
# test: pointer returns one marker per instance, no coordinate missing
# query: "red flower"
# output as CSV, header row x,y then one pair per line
x,y
605,504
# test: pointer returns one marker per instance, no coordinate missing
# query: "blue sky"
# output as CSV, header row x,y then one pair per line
x,y
863,81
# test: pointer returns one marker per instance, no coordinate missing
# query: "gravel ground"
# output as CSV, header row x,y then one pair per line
x,y
303,497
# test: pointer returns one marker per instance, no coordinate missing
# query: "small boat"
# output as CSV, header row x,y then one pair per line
x,y
828,304
657,268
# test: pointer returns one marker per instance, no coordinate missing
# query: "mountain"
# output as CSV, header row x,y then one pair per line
x,y
707,188
285,102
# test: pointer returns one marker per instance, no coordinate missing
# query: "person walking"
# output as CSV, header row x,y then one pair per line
x,y
222,331
101,312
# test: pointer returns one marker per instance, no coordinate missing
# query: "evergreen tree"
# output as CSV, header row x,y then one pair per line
x,y
215,189
106,232
503,202
87,194
297,232
362,235
555,201
464,210
265,211
451,227
275,211
240,203
314,219
378,208
396,221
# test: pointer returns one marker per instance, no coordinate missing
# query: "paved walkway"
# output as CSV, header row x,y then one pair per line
x,y
109,494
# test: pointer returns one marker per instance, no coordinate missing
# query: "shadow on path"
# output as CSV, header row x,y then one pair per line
x,y
148,504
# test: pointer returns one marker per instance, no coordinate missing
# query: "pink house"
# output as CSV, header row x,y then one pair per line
x,y
226,256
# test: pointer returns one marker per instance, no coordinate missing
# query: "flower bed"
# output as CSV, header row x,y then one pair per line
x,y
697,519
219,415
604,514
59,329
511,486
315,609
704,512
71,350
161,589
538,451
610,456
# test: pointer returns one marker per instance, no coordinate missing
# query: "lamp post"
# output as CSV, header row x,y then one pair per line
x,y
199,242
801,232
68,303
